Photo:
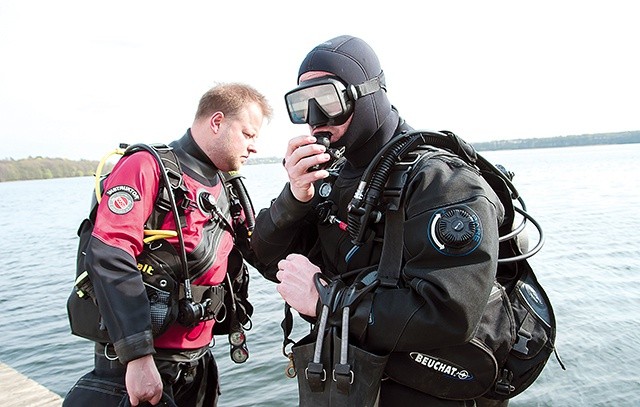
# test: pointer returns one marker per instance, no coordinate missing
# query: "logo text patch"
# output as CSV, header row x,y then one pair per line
x,y
441,366
121,199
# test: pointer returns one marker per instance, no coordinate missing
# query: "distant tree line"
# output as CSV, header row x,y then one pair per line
x,y
626,137
44,168
263,160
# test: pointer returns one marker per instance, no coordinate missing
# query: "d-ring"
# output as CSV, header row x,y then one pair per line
x,y
106,353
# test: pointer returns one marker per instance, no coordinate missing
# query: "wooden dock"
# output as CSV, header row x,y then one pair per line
x,y
17,390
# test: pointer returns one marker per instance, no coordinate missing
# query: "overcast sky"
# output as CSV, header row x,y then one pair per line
x,y
79,77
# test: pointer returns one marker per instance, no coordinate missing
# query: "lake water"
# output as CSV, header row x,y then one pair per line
x,y
586,199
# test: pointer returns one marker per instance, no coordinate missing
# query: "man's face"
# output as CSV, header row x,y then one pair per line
x,y
237,137
336,131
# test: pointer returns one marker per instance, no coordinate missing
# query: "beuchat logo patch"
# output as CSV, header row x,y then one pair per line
x,y
121,199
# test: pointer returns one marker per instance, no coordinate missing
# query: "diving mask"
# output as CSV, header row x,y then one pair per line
x,y
327,101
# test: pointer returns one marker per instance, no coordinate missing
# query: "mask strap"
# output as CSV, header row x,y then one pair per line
x,y
366,88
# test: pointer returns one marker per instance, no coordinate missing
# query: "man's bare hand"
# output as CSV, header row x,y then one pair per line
x,y
303,153
143,381
296,286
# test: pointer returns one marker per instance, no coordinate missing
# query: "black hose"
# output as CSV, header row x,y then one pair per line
x,y
174,207
377,174
245,202
372,184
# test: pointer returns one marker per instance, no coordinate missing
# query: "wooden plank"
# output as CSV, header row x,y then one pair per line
x,y
17,390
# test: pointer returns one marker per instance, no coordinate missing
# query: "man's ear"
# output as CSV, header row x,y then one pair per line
x,y
215,120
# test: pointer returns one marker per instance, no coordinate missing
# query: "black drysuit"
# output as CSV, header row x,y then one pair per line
x,y
441,296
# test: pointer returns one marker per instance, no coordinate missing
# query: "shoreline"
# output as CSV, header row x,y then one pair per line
x,y
17,390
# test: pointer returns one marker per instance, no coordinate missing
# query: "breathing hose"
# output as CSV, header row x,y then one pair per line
x,y
97,187
372,185
377,173
243,197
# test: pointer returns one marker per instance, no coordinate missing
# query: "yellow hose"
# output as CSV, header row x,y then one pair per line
x,y
97,188
155,234
152,234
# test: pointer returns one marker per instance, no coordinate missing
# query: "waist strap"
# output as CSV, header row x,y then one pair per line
x,y
180,355
106,358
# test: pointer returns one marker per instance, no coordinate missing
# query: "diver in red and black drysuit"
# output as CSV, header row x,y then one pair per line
x,y
444,285
217,140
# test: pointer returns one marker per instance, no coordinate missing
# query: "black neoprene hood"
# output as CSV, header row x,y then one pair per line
x,y
354,62
349,58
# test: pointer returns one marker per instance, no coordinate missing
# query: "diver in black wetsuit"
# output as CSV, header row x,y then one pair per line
x,y
444,285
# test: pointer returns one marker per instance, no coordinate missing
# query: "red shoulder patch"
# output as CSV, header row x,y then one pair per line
x,y
121,199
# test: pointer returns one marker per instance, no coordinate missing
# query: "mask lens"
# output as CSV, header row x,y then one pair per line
x,y
326,95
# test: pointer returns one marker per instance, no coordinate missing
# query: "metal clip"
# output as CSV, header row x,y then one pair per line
x,y
290,370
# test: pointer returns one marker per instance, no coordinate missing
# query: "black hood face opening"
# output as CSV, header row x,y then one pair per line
x,y
354,62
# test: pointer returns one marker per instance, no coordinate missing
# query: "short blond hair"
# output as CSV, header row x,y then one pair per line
x,y
230,99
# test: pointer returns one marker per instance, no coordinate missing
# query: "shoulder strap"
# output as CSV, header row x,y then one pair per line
x,y
391,257
171,180
169,165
